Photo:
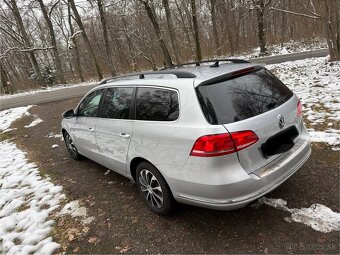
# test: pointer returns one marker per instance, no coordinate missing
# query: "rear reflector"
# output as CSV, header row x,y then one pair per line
x,y
299,109
222,144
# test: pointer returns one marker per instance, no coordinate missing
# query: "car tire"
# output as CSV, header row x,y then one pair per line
x,y
71,147
154,190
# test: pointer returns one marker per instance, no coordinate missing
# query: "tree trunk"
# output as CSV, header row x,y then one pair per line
x,y
214,27
60,73
4,81
283,28
195,25
76,51
331,22
18,19
185,30
171,30
106,37
152,17
261,29
86,39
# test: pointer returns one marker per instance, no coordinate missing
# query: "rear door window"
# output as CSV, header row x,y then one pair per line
x,y
117,103
242,97
156,104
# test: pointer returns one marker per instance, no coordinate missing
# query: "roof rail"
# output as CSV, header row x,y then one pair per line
x,y
178,74
215,61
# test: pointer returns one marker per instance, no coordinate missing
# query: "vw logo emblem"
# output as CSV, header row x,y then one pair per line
x,y
281,120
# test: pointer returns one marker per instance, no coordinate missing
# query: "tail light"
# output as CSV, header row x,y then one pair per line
x,y
299,109
222,144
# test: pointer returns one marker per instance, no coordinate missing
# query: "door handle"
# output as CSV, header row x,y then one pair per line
x,y
124,135
91,129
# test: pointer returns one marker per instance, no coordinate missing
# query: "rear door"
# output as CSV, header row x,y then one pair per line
x,y
256,101
114,127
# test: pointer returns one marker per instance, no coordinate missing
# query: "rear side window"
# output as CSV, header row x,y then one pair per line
x,y
242,97
156,104
117,103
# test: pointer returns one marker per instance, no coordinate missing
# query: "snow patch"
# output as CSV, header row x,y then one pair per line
x,y
8,130
26,201
74,209
35,122
7,117
331,137
53,135
55,146
317,216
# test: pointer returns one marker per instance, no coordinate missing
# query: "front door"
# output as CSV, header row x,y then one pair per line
x,y
84,126
114,127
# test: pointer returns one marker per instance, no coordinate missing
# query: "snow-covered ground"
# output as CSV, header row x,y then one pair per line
x,y
288,48
317,216
317,83
27,199
10,115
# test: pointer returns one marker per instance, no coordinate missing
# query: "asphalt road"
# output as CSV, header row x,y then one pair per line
x,y
66,93
124,225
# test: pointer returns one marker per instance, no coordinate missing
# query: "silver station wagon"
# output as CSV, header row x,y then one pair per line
x,y
217,135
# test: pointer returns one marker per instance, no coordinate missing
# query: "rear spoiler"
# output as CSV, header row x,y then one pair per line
x,y
231,75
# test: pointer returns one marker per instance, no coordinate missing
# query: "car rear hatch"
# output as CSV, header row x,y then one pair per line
x,y
254,99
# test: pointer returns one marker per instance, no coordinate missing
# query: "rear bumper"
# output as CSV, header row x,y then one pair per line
x,y
250,187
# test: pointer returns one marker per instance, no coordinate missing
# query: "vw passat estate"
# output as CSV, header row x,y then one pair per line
x,y
217,136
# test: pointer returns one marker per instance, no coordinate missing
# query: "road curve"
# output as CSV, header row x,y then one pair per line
x,y
66,93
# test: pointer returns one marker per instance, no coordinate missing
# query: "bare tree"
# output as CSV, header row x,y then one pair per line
x,y
60,72
151,14
106,37
214,26
180,30
261,6
86,39
72,39
196,34
4,81
171,30
14,8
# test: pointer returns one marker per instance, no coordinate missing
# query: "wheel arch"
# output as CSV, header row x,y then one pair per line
x,y
133,165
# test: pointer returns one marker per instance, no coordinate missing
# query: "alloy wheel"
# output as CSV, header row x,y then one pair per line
x,y
71,146
151,189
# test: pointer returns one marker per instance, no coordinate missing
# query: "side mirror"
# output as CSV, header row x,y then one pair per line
x,y
68,114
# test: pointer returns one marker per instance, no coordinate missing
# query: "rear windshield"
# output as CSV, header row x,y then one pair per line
x,y
242,97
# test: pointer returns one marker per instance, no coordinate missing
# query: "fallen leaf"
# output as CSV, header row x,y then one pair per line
x,y
93,240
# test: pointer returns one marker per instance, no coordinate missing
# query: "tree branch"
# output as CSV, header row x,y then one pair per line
x,y
310,11
53,6
17,49
294,13
70,43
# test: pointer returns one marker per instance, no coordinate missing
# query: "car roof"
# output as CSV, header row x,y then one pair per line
x,y
185,73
